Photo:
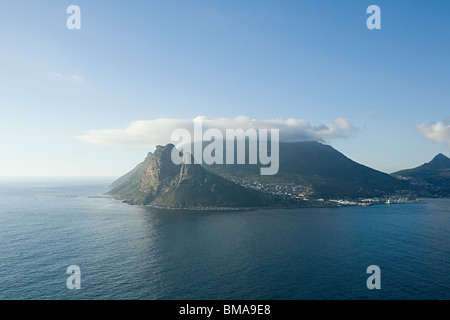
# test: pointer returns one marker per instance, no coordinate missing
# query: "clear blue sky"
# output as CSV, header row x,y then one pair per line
x,y
144,60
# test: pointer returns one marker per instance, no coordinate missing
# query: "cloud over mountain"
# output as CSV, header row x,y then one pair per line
x,y
149,133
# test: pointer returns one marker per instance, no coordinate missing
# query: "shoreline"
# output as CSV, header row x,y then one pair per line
x,y
208,208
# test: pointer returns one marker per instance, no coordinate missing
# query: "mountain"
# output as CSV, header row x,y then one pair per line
x,y
133,174
319,167
158,181
440,165
431,178
307,170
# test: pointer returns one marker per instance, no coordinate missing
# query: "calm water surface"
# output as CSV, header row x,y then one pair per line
x,y
135,252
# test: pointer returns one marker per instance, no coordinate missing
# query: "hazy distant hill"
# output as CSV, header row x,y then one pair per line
x,y
320,167
158,181
432,178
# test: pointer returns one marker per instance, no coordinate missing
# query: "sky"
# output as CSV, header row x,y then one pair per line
x,y
91,102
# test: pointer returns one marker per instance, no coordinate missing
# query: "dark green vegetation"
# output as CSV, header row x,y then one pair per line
x,y
158,181
432,179
319,167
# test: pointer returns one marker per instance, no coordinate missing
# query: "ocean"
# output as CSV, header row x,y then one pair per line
x,y
136,252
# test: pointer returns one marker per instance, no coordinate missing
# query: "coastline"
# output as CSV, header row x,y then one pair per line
x,y
312,205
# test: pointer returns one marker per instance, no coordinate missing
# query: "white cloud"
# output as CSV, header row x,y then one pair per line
x,y
150,133
437,132
339,128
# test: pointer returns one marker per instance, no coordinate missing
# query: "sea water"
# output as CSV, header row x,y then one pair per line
x,y
136,252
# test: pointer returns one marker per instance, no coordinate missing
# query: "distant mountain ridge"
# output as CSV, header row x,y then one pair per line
x,y
431,178
440,163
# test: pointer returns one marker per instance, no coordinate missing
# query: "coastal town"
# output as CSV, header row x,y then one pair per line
x,y
304,196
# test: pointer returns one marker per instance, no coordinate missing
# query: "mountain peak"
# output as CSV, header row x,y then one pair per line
x,y
432,178
158,181
441,156
439,162
162,150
